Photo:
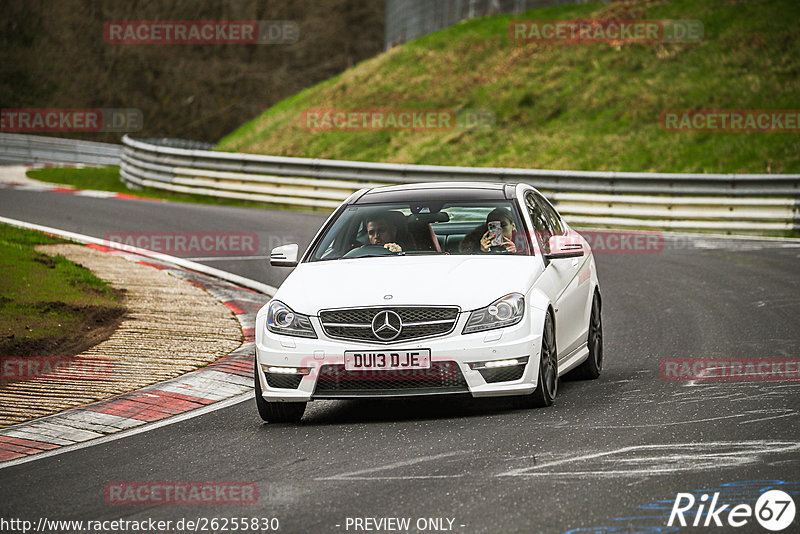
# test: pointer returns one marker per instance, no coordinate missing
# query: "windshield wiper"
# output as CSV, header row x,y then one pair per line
x,y
409,253
366,256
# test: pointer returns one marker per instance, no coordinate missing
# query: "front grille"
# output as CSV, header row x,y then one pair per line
x,y
502,374
280,380
418,322
442,377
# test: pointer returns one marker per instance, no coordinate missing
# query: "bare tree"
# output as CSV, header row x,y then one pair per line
x,y
54,55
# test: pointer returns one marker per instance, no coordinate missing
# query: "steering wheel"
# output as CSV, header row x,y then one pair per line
x,y
499,249
368,250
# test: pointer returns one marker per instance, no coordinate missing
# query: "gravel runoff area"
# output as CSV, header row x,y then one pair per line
x,y
171,327
17,174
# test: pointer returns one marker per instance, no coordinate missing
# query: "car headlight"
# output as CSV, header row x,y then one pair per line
x,y
505,311
282,320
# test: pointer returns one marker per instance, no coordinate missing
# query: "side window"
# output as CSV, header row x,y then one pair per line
x,y
542,225
551,215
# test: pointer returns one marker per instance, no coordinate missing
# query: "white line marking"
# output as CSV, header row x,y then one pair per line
x,y
768,418
692,421
187,264
354,475
95,194
689,456
223,258
409,477
133,431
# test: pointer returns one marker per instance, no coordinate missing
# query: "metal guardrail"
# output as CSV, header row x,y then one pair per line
x,y
409,19
743,203
41,149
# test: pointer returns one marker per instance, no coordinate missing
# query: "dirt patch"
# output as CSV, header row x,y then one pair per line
x,y
94,325
167,327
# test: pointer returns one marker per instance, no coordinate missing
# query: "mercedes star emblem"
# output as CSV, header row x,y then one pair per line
x,y
386,325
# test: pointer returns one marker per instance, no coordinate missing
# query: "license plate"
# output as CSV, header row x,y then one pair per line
x,y
367,360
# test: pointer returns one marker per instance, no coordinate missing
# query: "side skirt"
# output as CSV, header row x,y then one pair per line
x,y
573,359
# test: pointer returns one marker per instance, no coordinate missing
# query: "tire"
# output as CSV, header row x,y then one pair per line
x,y
276,412
591,368
547,384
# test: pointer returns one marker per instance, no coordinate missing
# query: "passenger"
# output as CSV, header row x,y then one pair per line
x,y
478,239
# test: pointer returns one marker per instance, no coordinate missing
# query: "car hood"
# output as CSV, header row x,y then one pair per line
x,y
467,281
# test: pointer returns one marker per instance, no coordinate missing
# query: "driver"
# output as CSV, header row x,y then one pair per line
x,y
382,230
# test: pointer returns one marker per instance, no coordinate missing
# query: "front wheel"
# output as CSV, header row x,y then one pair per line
x,y
590,369
276,412
547,386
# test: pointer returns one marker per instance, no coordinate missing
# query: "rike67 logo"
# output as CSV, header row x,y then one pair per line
x,y
774,510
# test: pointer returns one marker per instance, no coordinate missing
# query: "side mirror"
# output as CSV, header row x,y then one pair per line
x,y
564,246
284,256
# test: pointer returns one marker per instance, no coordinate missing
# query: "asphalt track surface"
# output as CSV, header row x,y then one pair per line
x,y
609,456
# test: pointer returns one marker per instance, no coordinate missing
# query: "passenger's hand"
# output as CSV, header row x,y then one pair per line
x,y
393,247
510,246
485,243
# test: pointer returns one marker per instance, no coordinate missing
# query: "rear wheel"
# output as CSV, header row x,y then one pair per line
x,y
547,386
590,369
276,412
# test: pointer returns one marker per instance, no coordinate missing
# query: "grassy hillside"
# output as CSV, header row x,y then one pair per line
x,y
48,305
566,106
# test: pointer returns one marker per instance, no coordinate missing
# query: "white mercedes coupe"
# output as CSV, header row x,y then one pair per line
x,y
431,289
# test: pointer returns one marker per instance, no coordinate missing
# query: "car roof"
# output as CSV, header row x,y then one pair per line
x,y
437,191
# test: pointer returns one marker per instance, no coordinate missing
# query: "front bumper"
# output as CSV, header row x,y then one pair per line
x,y
451,356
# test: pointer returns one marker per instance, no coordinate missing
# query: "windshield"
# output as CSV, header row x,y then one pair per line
x,y
432,227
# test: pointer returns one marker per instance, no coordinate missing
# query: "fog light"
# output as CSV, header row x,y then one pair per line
x,y
494,364
501,363
286,370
